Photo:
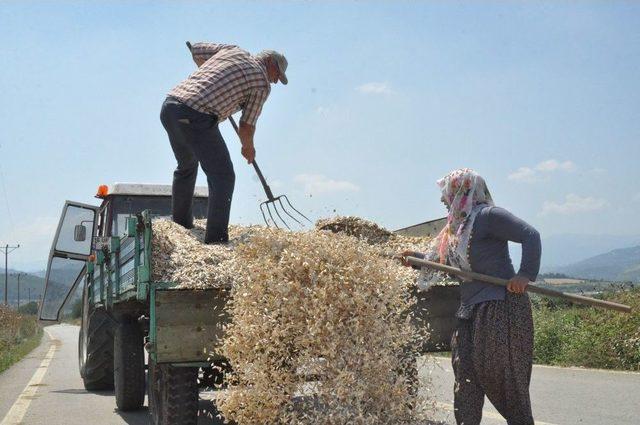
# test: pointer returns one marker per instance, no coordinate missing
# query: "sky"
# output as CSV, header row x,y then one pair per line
x,y
541,98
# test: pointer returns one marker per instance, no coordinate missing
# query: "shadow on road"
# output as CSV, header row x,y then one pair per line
x,y
83,391
207,415
139,417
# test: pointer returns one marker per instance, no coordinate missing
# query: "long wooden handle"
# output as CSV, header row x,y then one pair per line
x,y
414,261
263,181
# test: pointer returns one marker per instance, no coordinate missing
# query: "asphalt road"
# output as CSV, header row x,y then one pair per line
x,y
60,398
45,388
559,396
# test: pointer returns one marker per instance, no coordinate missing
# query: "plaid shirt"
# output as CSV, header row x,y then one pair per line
x,y
230,79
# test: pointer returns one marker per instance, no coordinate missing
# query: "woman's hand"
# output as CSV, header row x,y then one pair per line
x,y
403,257
518,284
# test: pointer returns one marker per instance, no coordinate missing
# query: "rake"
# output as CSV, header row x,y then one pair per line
x,y
272,202
418,262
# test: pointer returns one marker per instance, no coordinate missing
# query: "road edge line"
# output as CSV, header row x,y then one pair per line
x,y
587,369
21,405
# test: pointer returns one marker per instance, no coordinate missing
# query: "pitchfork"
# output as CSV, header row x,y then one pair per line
x,y
272,201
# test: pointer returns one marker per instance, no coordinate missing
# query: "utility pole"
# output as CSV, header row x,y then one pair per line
x,y
19,274
29,288
7,250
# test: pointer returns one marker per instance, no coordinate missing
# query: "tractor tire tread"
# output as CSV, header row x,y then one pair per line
x,y
173,398
182,400
129,367
98,369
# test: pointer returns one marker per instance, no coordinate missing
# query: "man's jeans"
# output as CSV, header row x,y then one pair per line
x,y
194,138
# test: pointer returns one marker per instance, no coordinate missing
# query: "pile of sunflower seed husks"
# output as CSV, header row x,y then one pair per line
x,y
320,330
181,256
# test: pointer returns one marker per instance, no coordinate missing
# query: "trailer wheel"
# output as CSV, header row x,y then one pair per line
x,y
128,367
95,347
173,394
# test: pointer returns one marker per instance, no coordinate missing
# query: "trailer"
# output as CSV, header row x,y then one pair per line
x,y
106,252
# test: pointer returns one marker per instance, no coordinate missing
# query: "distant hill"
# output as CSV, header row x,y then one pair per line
x,y
40,273
29,285
618,265
567,249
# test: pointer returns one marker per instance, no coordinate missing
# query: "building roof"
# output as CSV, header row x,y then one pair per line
x,y
144,189
427,229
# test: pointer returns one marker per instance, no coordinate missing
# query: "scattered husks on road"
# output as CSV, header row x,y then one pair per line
x,y
334,306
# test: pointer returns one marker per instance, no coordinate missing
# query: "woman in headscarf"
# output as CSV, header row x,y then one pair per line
x,y
492,346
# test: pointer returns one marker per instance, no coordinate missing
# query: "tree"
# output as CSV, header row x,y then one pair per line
x,y
76,309
29,308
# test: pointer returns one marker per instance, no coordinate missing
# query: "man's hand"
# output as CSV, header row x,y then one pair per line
x,y
518,284
246,131
249,152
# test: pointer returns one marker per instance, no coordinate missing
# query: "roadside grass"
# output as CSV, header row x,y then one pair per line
x,y
587,336
19,334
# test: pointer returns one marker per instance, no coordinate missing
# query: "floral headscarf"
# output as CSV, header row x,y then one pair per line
x,y
465,194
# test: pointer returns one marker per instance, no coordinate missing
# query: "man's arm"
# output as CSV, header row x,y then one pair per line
x,y
202,52
246,132
250,113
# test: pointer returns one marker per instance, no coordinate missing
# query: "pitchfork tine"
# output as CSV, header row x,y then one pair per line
x,y
287,212
275,207
264,217
270,198
266,204
294,208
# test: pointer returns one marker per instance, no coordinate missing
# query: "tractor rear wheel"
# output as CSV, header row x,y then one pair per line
x,y
129,366
95,347
173,394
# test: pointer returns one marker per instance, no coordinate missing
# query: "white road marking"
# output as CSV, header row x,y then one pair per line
x,y
586,369
485,413
19,408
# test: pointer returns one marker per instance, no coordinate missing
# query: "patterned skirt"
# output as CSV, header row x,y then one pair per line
x,y
492,355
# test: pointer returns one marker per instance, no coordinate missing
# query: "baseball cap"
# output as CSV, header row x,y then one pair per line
x,y
280,61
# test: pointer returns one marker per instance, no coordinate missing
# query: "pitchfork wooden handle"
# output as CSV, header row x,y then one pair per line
x,y
414,261
265,186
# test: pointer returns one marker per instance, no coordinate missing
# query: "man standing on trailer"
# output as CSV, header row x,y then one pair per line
x,y
228,79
